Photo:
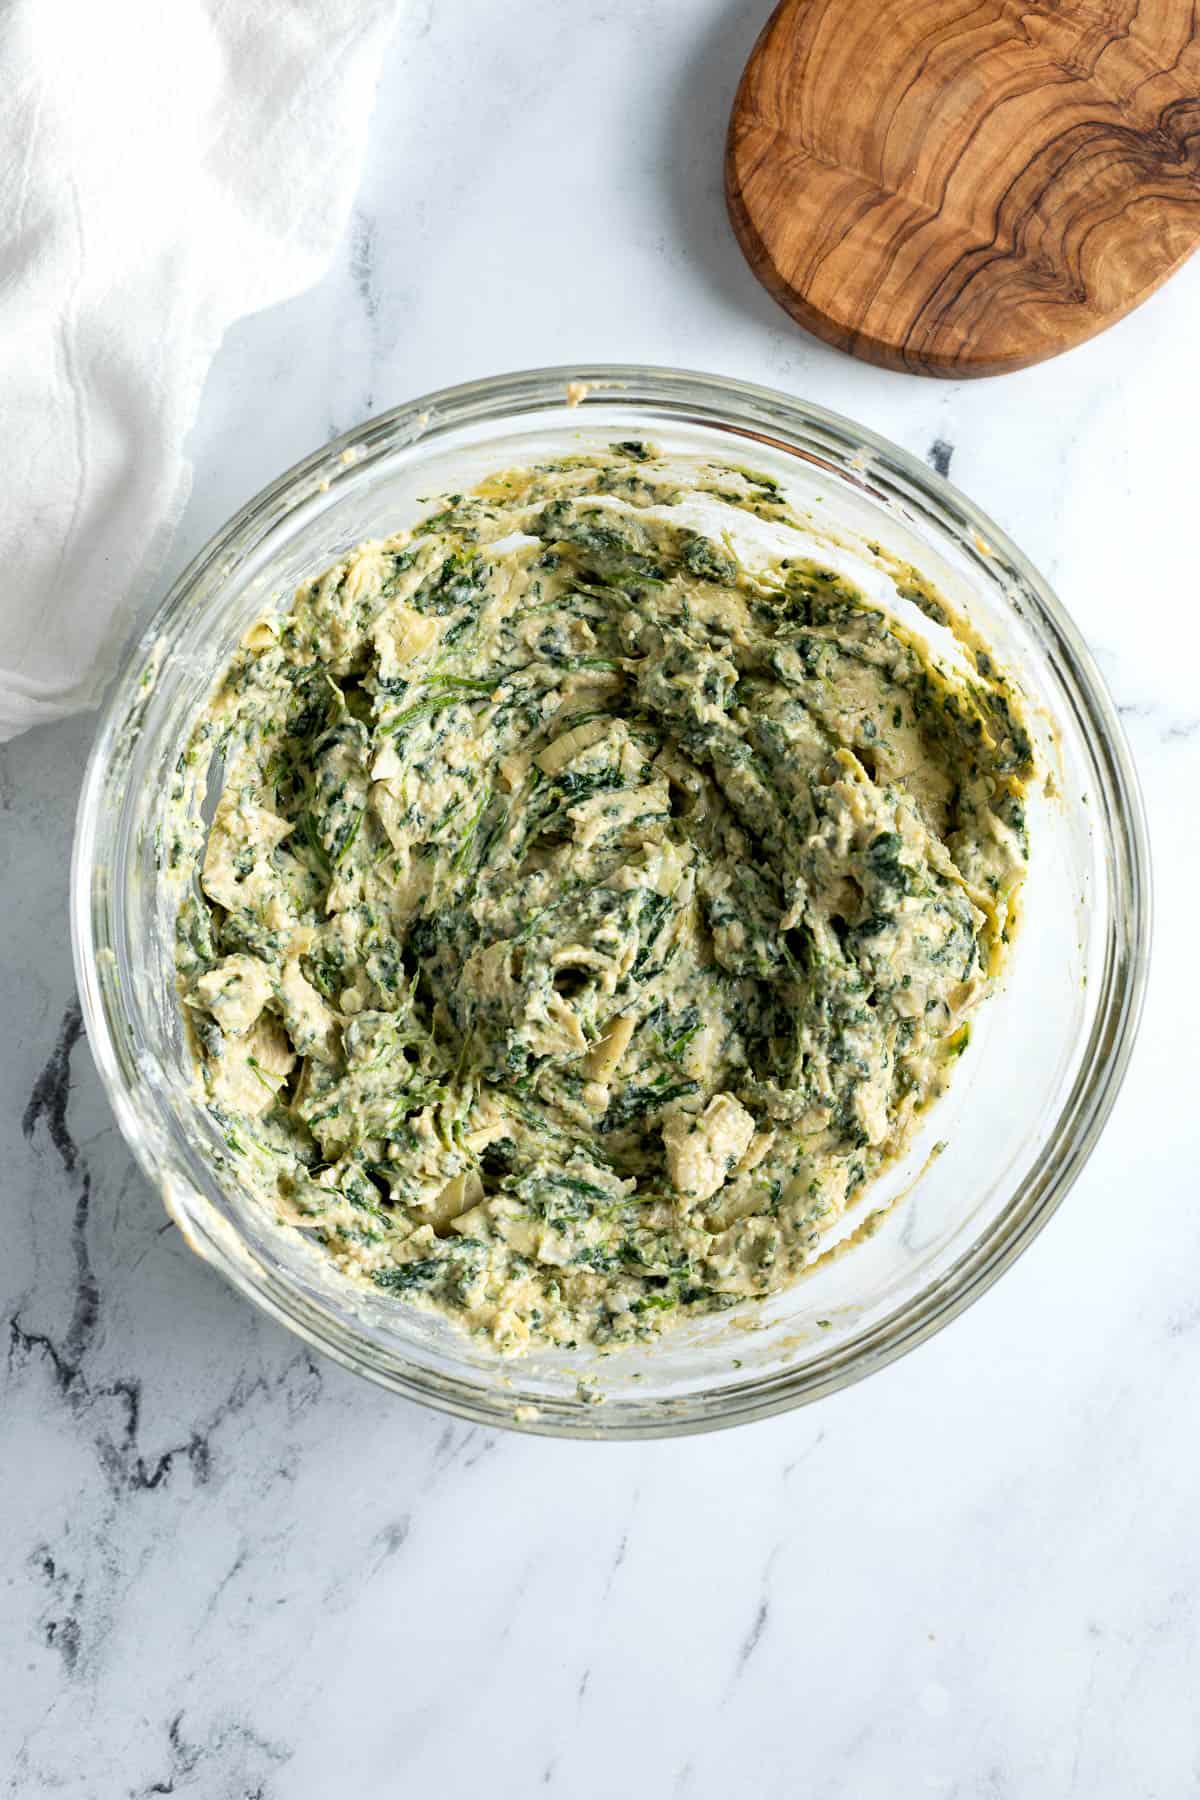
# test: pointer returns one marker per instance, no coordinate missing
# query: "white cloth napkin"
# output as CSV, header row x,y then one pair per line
x,y
165,166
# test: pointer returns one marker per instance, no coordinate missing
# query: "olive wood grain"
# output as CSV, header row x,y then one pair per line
x,y
963,187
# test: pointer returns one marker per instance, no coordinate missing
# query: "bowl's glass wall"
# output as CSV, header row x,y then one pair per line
x,y
1048,1049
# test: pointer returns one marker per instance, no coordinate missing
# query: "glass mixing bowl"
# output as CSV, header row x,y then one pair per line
x,y
1048,1052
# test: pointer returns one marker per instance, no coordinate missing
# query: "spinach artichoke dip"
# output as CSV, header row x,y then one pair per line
x,y
593,901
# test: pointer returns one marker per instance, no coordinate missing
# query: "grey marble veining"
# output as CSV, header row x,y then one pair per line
x,y
231,1570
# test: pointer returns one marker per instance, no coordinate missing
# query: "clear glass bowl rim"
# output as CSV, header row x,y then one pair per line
x,y
852,451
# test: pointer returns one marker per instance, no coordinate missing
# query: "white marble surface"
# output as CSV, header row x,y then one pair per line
x,y
231,1570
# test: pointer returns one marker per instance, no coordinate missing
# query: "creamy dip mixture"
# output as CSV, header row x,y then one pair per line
x,y
590,910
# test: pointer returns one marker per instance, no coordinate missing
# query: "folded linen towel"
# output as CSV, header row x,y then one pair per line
x,y
164,169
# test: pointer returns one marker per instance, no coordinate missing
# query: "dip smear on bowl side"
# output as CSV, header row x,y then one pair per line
x,y
603,877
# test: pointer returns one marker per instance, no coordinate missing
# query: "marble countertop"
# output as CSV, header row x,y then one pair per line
x,y
231,1569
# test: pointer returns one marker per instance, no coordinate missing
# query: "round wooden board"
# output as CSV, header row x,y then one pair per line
x,y
964,187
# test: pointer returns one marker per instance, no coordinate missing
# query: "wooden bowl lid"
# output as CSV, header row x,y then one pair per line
x,y
964,187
